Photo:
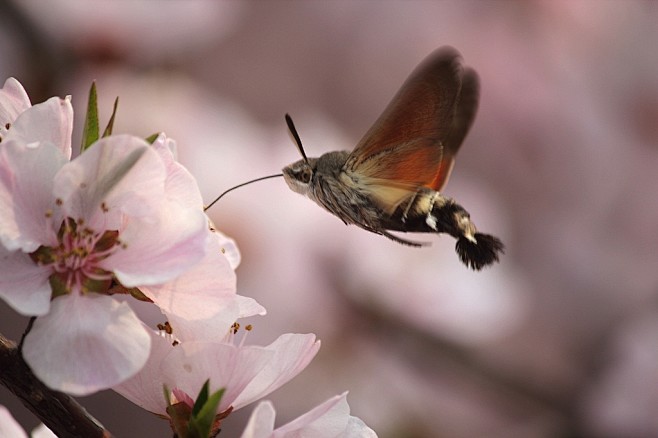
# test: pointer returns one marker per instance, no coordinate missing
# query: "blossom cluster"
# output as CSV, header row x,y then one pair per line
x,y
82,237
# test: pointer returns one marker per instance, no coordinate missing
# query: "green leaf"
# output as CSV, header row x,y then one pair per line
x,y
90,132
167,394
204,413
110,124
152,138
201,398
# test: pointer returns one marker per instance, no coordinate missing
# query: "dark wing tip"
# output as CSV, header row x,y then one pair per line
x,y
446,65
446,53
465,110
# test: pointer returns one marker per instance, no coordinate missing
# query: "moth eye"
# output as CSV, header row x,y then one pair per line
x,y
305,176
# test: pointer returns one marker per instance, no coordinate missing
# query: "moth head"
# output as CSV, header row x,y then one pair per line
x,y
299,175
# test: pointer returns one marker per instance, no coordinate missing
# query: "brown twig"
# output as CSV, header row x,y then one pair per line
x,y
58,411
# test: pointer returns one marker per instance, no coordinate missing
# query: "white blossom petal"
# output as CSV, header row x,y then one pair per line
x,y
292,353
47,122
180,185
9,427
213,328
86,343
24,285
41,431
122,172
357,428
26,199
145,388
250,307
326,420
229,248
201,304
197,294
261,421
13,101
159,249
331,419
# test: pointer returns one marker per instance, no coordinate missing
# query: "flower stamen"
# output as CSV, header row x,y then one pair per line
x,y
76,258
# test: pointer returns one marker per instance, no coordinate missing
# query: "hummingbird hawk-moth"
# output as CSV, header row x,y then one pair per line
x,y
393,178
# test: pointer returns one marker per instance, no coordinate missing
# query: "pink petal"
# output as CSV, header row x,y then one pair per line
x,y
200,304
250,307
228,247
26,180
292,353
23,284
356,428
86,343
47,122
261,421
161,248
170,241
201,292
190,364
13,101
180,185
145,388
213,328
9,427
41,431
122,172
328,420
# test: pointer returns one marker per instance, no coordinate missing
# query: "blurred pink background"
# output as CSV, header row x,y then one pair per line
x,y
559,339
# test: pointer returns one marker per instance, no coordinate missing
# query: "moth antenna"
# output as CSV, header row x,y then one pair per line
x,y
298,141
241,185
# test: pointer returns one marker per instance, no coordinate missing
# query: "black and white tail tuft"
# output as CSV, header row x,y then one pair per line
x,y
483,252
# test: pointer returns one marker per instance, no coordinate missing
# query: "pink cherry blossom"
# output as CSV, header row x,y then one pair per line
x,y
95,219
122,212
246,372
331,419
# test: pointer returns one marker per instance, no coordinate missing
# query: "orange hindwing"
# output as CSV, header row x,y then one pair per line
x,y
415,140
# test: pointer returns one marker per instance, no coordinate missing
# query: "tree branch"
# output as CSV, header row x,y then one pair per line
x,y
61,413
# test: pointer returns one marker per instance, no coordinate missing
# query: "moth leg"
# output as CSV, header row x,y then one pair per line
x,y
401,240
410,204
